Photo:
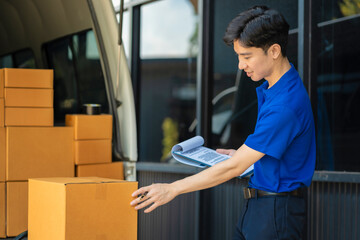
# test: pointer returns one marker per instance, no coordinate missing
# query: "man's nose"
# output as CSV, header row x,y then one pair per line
x,y
242,65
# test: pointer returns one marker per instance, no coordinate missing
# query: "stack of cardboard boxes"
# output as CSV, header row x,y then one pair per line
x,y
32,150
92,143
29,144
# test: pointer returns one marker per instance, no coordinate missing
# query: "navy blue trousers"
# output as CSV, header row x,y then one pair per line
x,y
272,217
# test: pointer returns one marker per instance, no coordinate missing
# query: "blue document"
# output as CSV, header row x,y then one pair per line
x,y
193,153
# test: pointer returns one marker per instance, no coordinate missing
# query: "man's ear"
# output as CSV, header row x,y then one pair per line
x,y
275,51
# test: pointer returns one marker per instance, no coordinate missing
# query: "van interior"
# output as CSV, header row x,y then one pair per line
x,y
79,40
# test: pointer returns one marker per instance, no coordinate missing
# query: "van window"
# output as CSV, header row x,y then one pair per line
x,y
24,59
19,59
78,77
6,61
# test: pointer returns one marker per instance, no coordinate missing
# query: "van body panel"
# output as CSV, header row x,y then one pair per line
x,y
123,91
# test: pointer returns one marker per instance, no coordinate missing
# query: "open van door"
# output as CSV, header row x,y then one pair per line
x,y
118,77
79,40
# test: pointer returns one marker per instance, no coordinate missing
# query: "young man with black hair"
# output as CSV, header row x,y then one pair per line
x,y
282,147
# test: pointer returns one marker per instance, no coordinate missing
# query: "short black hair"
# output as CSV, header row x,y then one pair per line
x,y
259,27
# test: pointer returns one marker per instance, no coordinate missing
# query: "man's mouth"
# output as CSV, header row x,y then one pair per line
x,y
249,74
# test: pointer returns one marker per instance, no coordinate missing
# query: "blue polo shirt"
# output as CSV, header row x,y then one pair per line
x,y
285,133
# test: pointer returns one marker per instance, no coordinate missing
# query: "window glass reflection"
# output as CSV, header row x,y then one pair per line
x,y
6,61
167,29
20,59
116,4
168,49
234,94
338,85
24,59
336,9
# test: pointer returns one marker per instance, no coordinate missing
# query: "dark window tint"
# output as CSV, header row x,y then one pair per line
x,y
337,85
234,95
78,77
20,59
6,61
24,59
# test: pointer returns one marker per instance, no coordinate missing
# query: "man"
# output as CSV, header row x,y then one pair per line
x,y
282,147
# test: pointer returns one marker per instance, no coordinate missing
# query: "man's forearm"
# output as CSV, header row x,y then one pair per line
x,y
210,177
243,158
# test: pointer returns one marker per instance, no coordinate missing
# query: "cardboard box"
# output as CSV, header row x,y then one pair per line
x,y
114,170
28,97
16,208
90,127
2,110
29,117
28,78
92,151
39,152
2,154
81,208
2,210
1,83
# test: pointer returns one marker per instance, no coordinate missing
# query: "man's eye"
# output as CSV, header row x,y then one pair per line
x,y
246,58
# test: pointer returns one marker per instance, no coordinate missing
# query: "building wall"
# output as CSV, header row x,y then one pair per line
x,y
333,207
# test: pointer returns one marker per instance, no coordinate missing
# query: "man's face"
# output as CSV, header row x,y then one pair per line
x,y
254,61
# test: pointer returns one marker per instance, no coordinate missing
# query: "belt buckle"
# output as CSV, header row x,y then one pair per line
x,y
247,193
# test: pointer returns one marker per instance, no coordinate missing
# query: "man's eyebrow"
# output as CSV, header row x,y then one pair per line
x,y
245,53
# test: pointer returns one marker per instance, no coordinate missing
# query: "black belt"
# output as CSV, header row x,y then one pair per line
x,y
253,193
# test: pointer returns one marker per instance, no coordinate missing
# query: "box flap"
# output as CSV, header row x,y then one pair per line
x,y
78,180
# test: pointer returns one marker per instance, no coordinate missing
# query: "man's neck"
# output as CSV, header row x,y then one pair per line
x,y
281,66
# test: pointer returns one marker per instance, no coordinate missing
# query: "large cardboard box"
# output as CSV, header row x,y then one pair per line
x,y
2,110
28,78
28,97
29,117
16,208
39,152
2,154
92,151
81,209
90,127
1,83
113,170
2,210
